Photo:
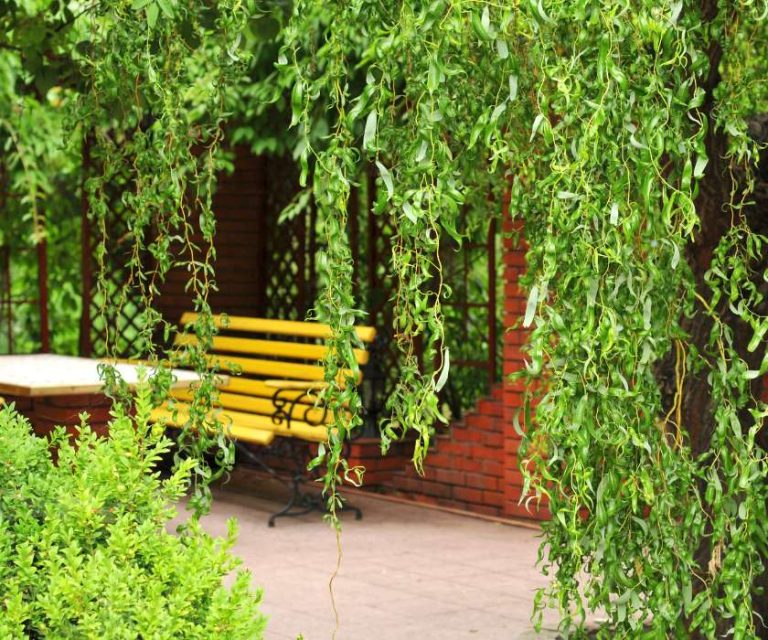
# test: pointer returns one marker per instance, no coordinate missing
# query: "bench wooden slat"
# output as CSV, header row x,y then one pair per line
x,y
246,426
307,385
180,416
298,390
280,349
279,327
262,389
259,405
273,368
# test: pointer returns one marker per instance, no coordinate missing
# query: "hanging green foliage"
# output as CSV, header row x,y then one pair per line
x,y
156,75
621,131
625,133
393,75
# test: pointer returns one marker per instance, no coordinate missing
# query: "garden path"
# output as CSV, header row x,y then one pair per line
x,y
408,572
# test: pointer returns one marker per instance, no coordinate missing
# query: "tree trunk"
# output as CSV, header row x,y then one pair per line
x,y
715,222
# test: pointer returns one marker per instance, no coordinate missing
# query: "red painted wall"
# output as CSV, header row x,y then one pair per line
x,y
239,206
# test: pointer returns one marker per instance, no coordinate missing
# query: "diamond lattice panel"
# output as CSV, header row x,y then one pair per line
x,y
290,257
116,310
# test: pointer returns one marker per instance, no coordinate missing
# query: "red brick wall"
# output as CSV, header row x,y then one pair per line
x,y
474,466
466,465
50,411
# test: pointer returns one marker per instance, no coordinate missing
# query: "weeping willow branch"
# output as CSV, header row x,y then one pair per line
x,y
600,120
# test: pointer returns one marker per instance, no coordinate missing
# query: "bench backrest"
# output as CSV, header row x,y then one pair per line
x,y
265,351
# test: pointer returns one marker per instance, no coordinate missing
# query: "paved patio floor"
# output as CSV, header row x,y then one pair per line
x,y
408,572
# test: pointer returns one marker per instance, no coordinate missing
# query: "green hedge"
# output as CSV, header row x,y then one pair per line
x,y
85,550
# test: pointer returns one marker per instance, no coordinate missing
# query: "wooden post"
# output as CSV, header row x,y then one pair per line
x,y
85,257
492,302
42,285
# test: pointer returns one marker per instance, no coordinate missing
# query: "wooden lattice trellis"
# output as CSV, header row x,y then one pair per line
x,y
289,284
113,314
472,319
371,236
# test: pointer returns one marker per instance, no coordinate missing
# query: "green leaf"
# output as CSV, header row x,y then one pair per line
x,y
677,8
443,378
540,10
152,13
480,27
433,77
502,49
421,154
675,256
698,169
536,124
614,216
410,212
370,129
387,179
687,595
485,19
166,8
530,307
758,336
647,312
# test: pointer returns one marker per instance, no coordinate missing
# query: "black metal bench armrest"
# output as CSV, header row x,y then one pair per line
x,y
286,402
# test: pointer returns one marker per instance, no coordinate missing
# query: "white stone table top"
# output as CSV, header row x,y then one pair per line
x,y
45,374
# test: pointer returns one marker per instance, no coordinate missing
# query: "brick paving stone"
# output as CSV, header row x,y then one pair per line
x,y
407,572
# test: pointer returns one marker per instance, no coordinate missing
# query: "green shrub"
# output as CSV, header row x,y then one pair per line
x,y
84,546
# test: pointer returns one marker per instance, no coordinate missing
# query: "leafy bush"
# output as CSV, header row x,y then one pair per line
x,y
84,546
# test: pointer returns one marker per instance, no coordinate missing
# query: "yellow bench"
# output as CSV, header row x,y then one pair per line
x,y
275,376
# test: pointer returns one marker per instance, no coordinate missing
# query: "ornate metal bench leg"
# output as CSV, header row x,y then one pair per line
x,y
300,503
351,507
286,510
310,503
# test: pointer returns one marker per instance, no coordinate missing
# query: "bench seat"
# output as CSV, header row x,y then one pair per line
x,y
237,427
243,426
